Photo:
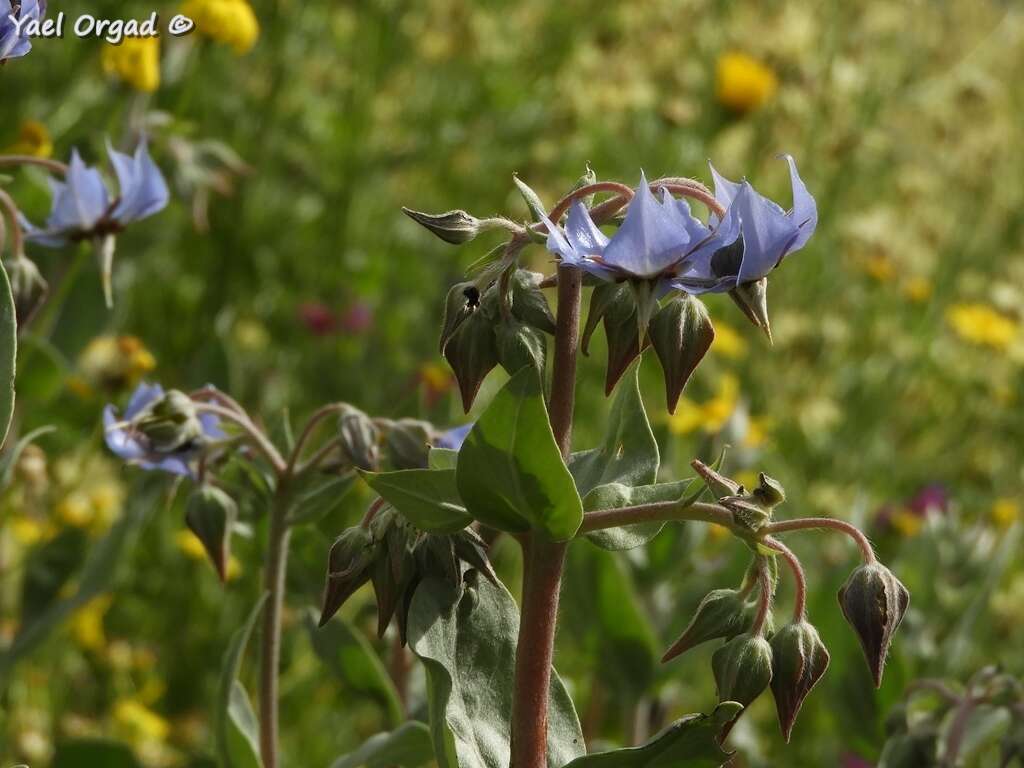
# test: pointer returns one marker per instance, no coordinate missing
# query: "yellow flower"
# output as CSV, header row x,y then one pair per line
x,y
33,139
982,325
688,417
136,61
194,549
757,432
879,267
729,342
111,363
106,499
743,83
87,624
918,289
140,721
712,415
906,522
75,510
1005,512
27,531
231,22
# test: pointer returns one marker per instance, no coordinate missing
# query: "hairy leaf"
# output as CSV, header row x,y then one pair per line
x,y
427,498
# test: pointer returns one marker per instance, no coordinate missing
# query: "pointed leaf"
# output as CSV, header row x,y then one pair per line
x,y
510,473
8,353
537,208
614,495
236,731
427,498
408,746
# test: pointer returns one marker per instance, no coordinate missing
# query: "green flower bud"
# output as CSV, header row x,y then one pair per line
x,y
28,287
799,659
874,602
462,301
752,298
722,613
408,443
529,303
681,334
622,331
455,227
770,491
171,423
210,514
472,352
519,346
358,437
348,568
742,668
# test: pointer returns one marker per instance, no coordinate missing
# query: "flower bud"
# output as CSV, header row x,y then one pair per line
x,y
519,346
742,668
622,331
462,301
752,298
348,568
408,443
472,352
681,334
210,514
722,613
874,602
799,659
529,303
171,423
455,227
358,437
28,287
586,180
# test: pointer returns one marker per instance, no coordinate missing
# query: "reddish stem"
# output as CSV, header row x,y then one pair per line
x,y
764,600
800,606
812,523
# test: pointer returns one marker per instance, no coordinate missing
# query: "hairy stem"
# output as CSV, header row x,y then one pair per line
x,y
257,438
51,165
270,653
663,511
307,431
543,559
800,605
764,600
819,523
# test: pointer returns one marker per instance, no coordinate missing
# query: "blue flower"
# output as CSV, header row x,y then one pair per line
x,y
12,43
128,441
83,208
767,235
453,438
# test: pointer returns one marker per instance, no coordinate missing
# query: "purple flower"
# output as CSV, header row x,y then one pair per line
x,y
82,207
768,235
930,498
453,438
14,42
127,437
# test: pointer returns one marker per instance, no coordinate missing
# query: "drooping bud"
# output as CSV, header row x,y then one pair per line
x,y
770,492
348,568
874,602
358,438
408,443
455,227
171,423
622,330
210,514
529,303
519,346
391,573
752,298
799,659
472,352
681,334
462,301
722,613
742,669
601,298
28,287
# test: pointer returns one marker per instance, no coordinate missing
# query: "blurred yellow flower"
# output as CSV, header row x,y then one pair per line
x,y
33,139
710,416
193,548
136,61
906,522
75,510
879,267
87,624
758,430
918,289
110,364
982,325
251,335
1005,512
27,531
140,721
231,22
728,342
742,83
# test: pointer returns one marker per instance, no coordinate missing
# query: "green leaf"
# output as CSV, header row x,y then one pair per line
x,y
604,615
96,752
537,208
8,353
321,500
427,498
408,746
442,458
690,742
510,473
629,454
614,495
235,725
466,639
351,658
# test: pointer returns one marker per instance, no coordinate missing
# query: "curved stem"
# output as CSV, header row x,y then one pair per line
x,y
371,512
764,600
270,652
307,431
818,523
322,453
258,439
17,236
664,511
800,604
51,165
698,193
622,190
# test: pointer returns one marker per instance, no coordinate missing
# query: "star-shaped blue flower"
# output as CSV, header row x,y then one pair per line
x,y
14,44
453,438
132,446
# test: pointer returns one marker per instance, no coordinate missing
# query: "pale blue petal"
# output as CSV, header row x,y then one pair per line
x,y
648,242
117,437
767,233
142,186
143,396
805,210
583,234
81,201
725,190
